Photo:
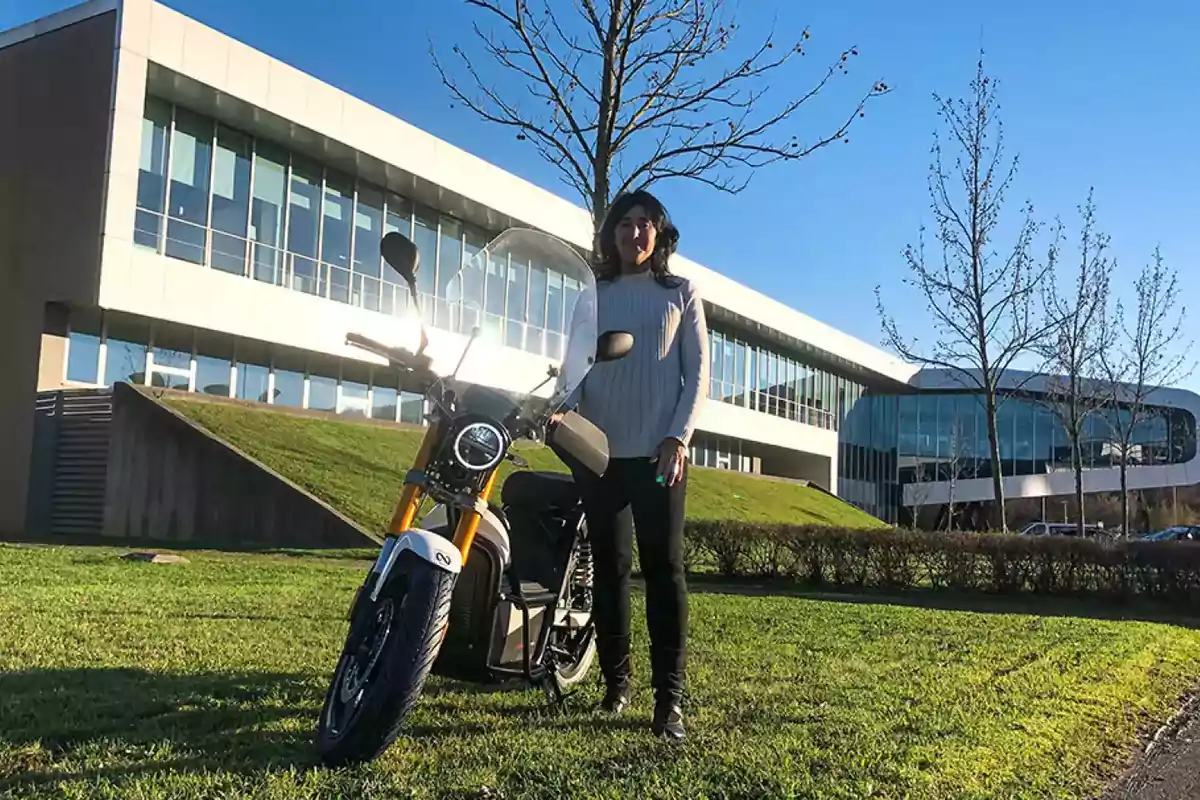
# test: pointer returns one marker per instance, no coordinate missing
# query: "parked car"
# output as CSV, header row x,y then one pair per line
x,y
1175,533
1061,529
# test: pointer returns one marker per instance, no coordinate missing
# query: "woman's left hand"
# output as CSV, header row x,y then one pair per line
x,y
670,458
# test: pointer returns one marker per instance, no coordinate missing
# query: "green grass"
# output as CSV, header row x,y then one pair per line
x,y
130,680
357,469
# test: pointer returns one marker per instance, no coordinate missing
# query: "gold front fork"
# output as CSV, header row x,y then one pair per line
x,y
410,497
468,522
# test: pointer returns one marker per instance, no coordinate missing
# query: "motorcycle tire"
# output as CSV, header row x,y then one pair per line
x,y
418,594
574,673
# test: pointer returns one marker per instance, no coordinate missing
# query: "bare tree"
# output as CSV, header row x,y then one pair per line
x,y
981,304
922,490
1073,356
955,470
1153,352
624,93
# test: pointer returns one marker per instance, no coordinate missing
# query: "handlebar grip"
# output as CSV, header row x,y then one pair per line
x,y
358,340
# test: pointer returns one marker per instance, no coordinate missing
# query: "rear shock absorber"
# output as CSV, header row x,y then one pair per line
x,y
583,577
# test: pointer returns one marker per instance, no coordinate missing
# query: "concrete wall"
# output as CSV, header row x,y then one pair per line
x,y
170,480
55,90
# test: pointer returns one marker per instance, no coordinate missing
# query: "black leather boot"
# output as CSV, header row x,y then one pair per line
x,y
616,698
668,719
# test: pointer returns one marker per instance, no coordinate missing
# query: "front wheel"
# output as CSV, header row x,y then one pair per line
x,y
385,662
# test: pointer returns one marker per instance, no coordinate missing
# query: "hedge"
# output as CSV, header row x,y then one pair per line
x,y
897,560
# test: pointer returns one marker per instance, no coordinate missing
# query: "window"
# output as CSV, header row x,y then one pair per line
x,y
253,382
497,280
412,408
83,348
172,358
714,364
267,211
304,225
425,237
535,339
230,200
517,279
739,373
213,362
322,393
355,399
470,286
212,375
191,163
335,233
394,296
288,367
368,230
449,265
385,399
554,314
152,174
125,348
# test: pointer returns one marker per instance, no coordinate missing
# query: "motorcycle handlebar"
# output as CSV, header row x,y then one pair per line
x,y
396,356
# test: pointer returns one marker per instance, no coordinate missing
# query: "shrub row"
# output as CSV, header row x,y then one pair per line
x,y
899,560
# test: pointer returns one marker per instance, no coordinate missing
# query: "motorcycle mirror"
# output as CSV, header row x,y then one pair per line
x,y
402,255
612,345
400,252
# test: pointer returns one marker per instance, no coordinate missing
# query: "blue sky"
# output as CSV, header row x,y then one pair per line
x,y
1101,94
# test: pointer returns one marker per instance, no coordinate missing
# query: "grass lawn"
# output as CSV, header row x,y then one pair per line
x,y
124,679
357,469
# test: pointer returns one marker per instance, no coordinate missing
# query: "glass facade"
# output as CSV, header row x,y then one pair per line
x,y
944,435
720,452
220,198
766,380
125,349
888,441
867,455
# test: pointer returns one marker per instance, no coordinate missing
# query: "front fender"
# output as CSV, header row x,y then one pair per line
x,y
427,546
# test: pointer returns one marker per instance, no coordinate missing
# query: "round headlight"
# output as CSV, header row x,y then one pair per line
x,y
479,446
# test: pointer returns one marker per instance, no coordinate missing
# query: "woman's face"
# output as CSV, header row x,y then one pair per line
x,y
636,235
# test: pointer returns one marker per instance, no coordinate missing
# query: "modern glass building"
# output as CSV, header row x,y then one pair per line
x,y
193,214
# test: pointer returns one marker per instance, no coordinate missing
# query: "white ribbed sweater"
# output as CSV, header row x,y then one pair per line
x,y
655,391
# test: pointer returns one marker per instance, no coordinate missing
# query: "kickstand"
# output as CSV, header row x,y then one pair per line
x,y
553,691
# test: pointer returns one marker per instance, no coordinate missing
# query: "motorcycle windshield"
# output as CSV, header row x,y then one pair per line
x,y
529,301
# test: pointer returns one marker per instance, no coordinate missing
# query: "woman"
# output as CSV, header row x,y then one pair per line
x,y
647,404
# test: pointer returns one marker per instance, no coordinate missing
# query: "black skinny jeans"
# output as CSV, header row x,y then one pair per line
x,y
657,515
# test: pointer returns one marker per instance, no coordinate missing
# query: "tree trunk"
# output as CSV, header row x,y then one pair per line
x,y
1077,466
1077,455
602,163
997,471
1124,496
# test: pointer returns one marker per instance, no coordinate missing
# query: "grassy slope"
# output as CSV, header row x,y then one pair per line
x,y
131,680
357,469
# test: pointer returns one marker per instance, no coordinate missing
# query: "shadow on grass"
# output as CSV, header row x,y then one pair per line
x,y
157,721
365,554
122,724
949,600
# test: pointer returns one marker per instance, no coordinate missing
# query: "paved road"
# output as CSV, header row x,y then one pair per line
x,y
1171,771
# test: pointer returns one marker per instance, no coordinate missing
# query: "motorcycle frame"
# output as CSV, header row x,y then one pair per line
x,y
450,557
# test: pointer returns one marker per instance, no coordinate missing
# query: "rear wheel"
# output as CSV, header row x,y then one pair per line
x,y
388,655
573,645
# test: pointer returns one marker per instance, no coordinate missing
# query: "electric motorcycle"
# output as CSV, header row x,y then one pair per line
x,y
465,586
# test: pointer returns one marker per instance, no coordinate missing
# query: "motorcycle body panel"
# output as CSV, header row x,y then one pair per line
x,y
490,528
437,550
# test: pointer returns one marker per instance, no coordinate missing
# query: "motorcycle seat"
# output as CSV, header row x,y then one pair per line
x,y
540,490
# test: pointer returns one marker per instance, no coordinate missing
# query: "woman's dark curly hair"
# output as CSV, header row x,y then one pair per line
x,y
608,260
